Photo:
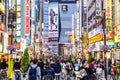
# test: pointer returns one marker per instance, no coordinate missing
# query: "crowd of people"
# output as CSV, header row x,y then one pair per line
x,y
61,69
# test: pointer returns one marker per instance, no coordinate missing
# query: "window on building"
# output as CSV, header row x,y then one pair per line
x,y
64,7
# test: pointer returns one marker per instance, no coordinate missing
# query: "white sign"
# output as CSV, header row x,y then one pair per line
x,y
5,42
53,34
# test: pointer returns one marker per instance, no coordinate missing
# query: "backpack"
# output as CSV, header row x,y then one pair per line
x,y
48,77
32,73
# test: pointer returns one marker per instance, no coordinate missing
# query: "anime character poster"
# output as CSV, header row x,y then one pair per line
x,y
53,17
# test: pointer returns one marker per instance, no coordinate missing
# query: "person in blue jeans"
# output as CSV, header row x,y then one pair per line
x,y
17,69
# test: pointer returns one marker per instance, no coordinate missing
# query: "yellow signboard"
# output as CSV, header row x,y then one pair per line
x,y
2,8
96,38
10,67
73,38
109,14
85,37
117,33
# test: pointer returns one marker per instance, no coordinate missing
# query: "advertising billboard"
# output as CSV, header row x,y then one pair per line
x,y
5,42
67,23
23,44
27,18
109,14
117,33
53,20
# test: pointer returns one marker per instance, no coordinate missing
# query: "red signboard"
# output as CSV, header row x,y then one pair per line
x,y
1,26
53,39
27,18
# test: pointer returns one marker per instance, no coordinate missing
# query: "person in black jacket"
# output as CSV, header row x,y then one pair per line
x,y
49,71
41,65
57,67
4,64
17,67
85,71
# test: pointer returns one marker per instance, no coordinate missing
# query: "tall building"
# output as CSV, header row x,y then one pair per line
x,y
66,11
58,25
116,26
2,28
80,24
53,26
95,25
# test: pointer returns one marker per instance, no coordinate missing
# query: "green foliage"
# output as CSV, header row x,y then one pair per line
x,y
69,57
25,61
42,56
90,57
118,68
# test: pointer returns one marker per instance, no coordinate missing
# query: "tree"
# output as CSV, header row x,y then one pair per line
x,y
25,61
90,57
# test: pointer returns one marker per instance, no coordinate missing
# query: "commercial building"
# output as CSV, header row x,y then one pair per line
x,y
95,25
116,27
58,25
66,12
3,32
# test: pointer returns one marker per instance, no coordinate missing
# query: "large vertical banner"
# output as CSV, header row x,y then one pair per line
x,y
5,43
109,15
117,33
27,18
53,20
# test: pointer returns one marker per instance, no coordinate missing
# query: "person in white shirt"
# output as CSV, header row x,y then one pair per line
x,y
99,72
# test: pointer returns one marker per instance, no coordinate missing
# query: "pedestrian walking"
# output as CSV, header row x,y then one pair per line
x,y
49,73
63,73
17,67
41,65
92,67
34,71
99,72
57,68
83,75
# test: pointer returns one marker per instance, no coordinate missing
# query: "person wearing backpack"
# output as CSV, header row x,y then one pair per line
x,y
34,71
49,73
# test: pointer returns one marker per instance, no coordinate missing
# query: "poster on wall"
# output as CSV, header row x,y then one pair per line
x,y
117,33
53,20
5,43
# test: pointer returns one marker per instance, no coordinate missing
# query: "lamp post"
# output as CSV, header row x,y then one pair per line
x,y
104,35
11,48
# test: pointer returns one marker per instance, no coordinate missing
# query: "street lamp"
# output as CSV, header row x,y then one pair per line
x,y
104,50
11,47
11,27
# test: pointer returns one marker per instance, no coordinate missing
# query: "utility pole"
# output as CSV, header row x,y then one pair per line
x,y
104,35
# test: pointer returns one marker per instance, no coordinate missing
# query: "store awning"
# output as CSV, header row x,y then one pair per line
x,y
2,8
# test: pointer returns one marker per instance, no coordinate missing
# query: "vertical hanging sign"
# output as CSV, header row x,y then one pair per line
x,y
109,14
27,18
